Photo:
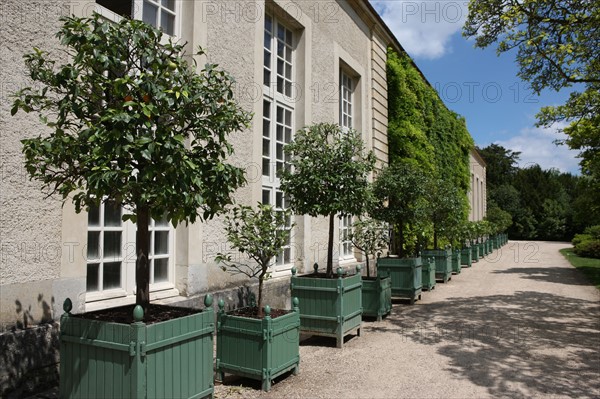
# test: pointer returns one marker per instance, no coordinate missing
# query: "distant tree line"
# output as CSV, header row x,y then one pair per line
x,y
545,204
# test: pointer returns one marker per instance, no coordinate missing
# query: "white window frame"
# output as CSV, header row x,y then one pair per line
x,y
128,261
137,12
276,97
346,102
347,86
346,249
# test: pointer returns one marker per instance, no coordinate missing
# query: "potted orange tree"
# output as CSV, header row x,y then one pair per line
x,y
257,342
327,175
370,237
130,121
401,191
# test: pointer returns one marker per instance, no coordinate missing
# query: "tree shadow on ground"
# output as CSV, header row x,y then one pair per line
x,y
519,345
558,275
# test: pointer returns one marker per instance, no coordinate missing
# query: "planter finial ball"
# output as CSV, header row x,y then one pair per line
x,y
67,305
358,268
294,271
138,313
340,271
208,300
267,310
316,267
221,304
295,302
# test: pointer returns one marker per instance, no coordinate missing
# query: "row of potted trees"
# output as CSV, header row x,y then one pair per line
x,y
131,121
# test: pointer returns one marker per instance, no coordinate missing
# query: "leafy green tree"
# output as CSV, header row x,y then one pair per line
x,y
501,164
498,218
401,190
369,236
448,209
557,43
326,175
260,234
132,122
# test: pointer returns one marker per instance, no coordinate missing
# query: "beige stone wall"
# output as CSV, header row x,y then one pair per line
x,y
380,99
478,192
42,258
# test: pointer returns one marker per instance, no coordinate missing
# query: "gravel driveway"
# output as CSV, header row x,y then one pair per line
x,y
520,323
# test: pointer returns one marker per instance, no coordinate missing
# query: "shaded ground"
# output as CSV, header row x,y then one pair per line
x,y
520,323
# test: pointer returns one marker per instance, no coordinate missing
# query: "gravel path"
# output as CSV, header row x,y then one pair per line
x,y
520,323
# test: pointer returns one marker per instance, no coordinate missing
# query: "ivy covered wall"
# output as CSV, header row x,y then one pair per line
x,y
420,125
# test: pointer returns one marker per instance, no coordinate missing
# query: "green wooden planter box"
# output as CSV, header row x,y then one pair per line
x,y
443,263
466,257
260,349
406,276
481,250
428,274
377,296
169,359
329,307
456,261
475,252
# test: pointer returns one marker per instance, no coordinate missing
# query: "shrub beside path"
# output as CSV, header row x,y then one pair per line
x,y
520,323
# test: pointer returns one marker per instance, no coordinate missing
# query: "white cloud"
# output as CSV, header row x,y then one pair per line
x,y
423,28
537,146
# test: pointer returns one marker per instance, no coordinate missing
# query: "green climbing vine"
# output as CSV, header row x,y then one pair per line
x,y
421,129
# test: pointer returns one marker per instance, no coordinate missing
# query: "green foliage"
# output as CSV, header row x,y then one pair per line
x,y
401,190
543,204
557,43
421,128
327,175
259,234
588,243
499,219
130,120
423,131
449,207
501,165
369,236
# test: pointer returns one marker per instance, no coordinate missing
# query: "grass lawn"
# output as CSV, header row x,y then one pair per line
x,y
589,266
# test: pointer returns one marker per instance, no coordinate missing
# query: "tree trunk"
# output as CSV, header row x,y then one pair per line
x,y
368,271
435,238
260,296
330,246
400,241
142,266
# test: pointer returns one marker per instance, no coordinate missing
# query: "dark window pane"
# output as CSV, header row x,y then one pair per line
x,y
287,252
111,277
288,37
267,109
121,7
279,200
279,132
170,4
267,59
167,23
112,214
150,13
268,23
267,43
161,243
266,147
91,280
112,245
94,216
288,135
280,151
161,270
266,78
266,167
280,32
266,128
266,197
93,245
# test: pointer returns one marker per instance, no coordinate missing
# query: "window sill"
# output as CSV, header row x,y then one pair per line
x,y
155,296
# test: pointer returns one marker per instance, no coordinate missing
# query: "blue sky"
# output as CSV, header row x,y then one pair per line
x,y
484,88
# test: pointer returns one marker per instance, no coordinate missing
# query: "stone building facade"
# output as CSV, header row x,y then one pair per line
x,y
295,63
478,192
